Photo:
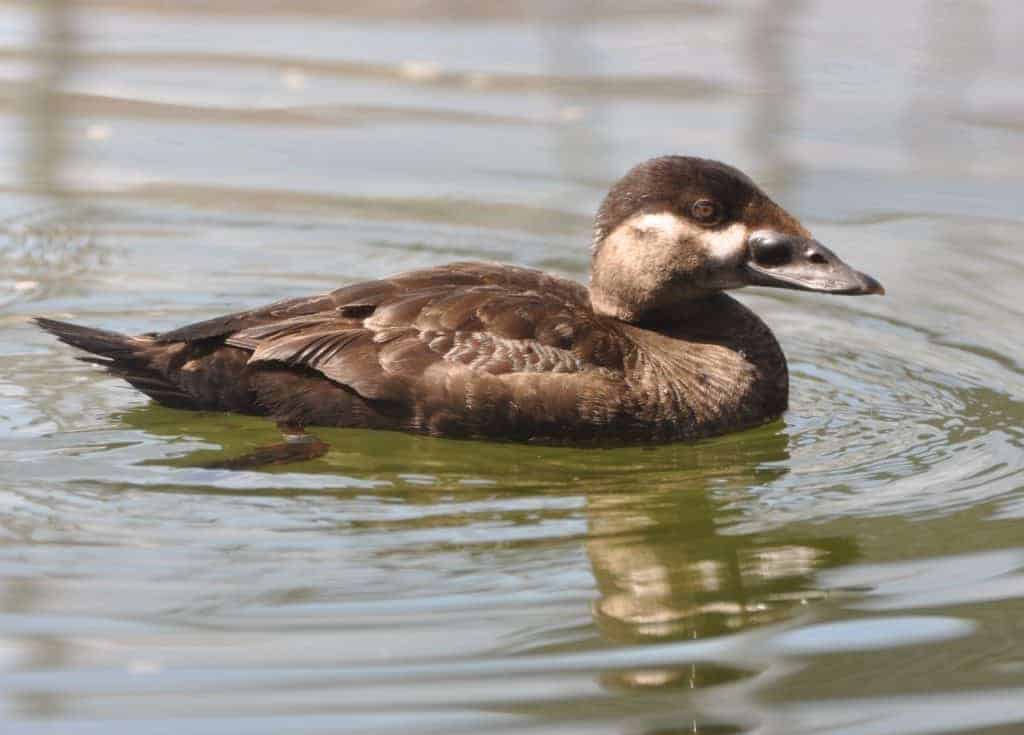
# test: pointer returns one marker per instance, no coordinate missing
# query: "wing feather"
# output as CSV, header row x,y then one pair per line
x,y
380,338
231,323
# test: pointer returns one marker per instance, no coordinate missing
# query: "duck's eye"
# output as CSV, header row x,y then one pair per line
x,y
706,211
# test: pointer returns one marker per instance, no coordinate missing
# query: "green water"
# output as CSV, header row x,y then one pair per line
x,y
855,568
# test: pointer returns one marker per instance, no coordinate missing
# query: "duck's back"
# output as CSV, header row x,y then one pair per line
x,y
467,349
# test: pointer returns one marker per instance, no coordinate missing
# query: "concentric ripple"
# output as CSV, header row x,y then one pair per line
x,y
884,419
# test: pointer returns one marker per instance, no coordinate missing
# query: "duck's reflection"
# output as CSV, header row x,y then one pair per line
x,y
659,520
661,523
667,566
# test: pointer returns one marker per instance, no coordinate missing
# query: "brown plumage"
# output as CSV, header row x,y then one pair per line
x,y
653,351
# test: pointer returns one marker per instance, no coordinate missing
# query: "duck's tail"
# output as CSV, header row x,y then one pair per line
x,y
110,347
133,359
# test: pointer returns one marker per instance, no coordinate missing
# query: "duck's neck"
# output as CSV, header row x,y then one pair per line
x,y
638,271
714,364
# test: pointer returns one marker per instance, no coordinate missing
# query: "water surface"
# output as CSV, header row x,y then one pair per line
x,y
855,568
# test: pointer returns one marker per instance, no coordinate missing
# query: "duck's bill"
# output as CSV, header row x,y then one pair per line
x,y
786,261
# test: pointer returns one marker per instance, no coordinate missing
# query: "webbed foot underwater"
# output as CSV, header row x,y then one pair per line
x,y
652,351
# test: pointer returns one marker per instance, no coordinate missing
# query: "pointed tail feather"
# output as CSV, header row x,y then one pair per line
x,y
122,355
109,345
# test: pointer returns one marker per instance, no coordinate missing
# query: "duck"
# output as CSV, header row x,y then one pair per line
x,y
654,350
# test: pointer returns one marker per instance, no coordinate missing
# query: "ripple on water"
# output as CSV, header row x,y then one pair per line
x,y
890,420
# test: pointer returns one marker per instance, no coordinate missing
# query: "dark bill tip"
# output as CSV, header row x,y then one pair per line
x,y
872,286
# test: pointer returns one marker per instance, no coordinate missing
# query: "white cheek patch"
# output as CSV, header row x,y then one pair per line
x,y
725,247
662,226
659,258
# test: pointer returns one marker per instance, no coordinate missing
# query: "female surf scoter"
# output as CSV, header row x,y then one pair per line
x,y
653,351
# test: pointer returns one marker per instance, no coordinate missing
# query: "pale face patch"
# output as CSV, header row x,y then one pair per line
x,y
664,225
655,259
708,251
727,247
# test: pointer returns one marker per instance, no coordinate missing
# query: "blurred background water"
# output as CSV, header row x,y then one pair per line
x,y
856,568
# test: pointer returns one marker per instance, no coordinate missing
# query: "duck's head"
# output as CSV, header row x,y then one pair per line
x,y
676,229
